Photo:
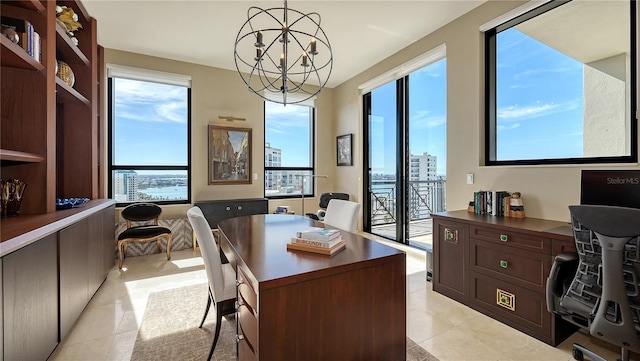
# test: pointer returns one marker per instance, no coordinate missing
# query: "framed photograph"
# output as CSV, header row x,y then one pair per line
x,y
229,155
343,145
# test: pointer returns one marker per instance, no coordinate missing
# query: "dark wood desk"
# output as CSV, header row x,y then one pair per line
x,y
297,305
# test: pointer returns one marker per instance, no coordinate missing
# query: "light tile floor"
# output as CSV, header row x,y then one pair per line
x,y
107,328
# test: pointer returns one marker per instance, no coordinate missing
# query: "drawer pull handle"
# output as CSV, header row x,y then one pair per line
x,y
504,264
451,235
504,237
238,283
239,338
228,208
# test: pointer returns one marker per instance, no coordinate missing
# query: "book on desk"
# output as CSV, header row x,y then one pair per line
x,y
318,240
342,244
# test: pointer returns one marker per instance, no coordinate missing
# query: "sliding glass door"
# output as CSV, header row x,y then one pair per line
x,y
405,156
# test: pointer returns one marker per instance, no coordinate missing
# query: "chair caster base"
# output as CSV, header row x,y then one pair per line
x,y
579,352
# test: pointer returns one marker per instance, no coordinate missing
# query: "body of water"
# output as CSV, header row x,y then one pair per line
x,y
168,193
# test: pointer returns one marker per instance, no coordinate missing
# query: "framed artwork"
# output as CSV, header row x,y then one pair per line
x,y
229,152
343,149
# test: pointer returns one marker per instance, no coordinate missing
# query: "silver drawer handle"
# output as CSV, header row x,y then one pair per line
x,y
239,338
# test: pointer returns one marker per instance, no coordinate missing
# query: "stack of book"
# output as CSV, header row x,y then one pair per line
x,y
495,203
28,39
318,240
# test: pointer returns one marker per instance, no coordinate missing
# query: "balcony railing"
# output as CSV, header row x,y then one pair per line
x,y
425,197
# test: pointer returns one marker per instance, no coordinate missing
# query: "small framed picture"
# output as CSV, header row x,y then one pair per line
x,y
229,155
343,148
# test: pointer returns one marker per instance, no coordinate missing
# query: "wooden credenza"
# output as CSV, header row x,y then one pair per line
x,y
50,267
294,305
499,266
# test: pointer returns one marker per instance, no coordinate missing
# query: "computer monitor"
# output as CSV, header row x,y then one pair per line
x,y
610,188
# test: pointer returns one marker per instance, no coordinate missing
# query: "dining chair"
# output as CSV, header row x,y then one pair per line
x,y
221,277
342,214
144,213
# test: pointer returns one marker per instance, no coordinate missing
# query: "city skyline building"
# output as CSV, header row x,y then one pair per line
x,y
423,167
125,186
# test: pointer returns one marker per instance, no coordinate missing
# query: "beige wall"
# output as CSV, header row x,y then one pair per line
x,y
547,191
218,92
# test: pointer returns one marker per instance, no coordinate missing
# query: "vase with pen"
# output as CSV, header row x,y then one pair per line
x,y
11,196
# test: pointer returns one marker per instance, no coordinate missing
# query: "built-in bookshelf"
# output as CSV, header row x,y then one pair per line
x,y
49,129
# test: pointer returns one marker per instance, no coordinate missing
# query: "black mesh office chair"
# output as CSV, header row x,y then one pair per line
x,y
598,289
324,202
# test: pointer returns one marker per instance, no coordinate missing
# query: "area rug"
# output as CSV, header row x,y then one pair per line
x,y
169,330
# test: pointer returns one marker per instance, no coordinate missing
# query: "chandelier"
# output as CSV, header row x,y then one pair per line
x,y
280,52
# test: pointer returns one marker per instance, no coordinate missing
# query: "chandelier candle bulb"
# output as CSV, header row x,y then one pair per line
x,y
259,39
304,60
313,46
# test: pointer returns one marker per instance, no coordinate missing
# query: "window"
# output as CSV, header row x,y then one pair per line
x,y
288,149
561,85
149,137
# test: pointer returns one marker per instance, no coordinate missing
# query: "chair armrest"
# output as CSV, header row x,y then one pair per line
x,y
562,272
313,216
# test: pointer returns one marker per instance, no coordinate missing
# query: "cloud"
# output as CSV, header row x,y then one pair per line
x,y
516,113
424,119
150,102
537,72
509,127
284,119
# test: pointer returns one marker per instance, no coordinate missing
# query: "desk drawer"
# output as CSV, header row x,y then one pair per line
x,y
245,353
246,294
516,306
248,326
513,239
517,266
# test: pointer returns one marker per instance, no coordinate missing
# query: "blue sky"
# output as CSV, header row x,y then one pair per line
x,y
427,119
539,103
151,123
287,128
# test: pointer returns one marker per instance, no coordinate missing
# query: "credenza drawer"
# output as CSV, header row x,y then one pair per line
x,y
519,240
516,306
523,268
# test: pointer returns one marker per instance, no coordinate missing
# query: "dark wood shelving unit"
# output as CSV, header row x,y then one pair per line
x,y
65,93
29,5
8,157
67,49
15,57
48,129
50,140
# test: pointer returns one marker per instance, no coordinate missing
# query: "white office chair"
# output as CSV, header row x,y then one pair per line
x,y
342,214
222,277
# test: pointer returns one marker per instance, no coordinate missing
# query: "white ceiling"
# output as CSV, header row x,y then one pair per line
x,y
362,33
